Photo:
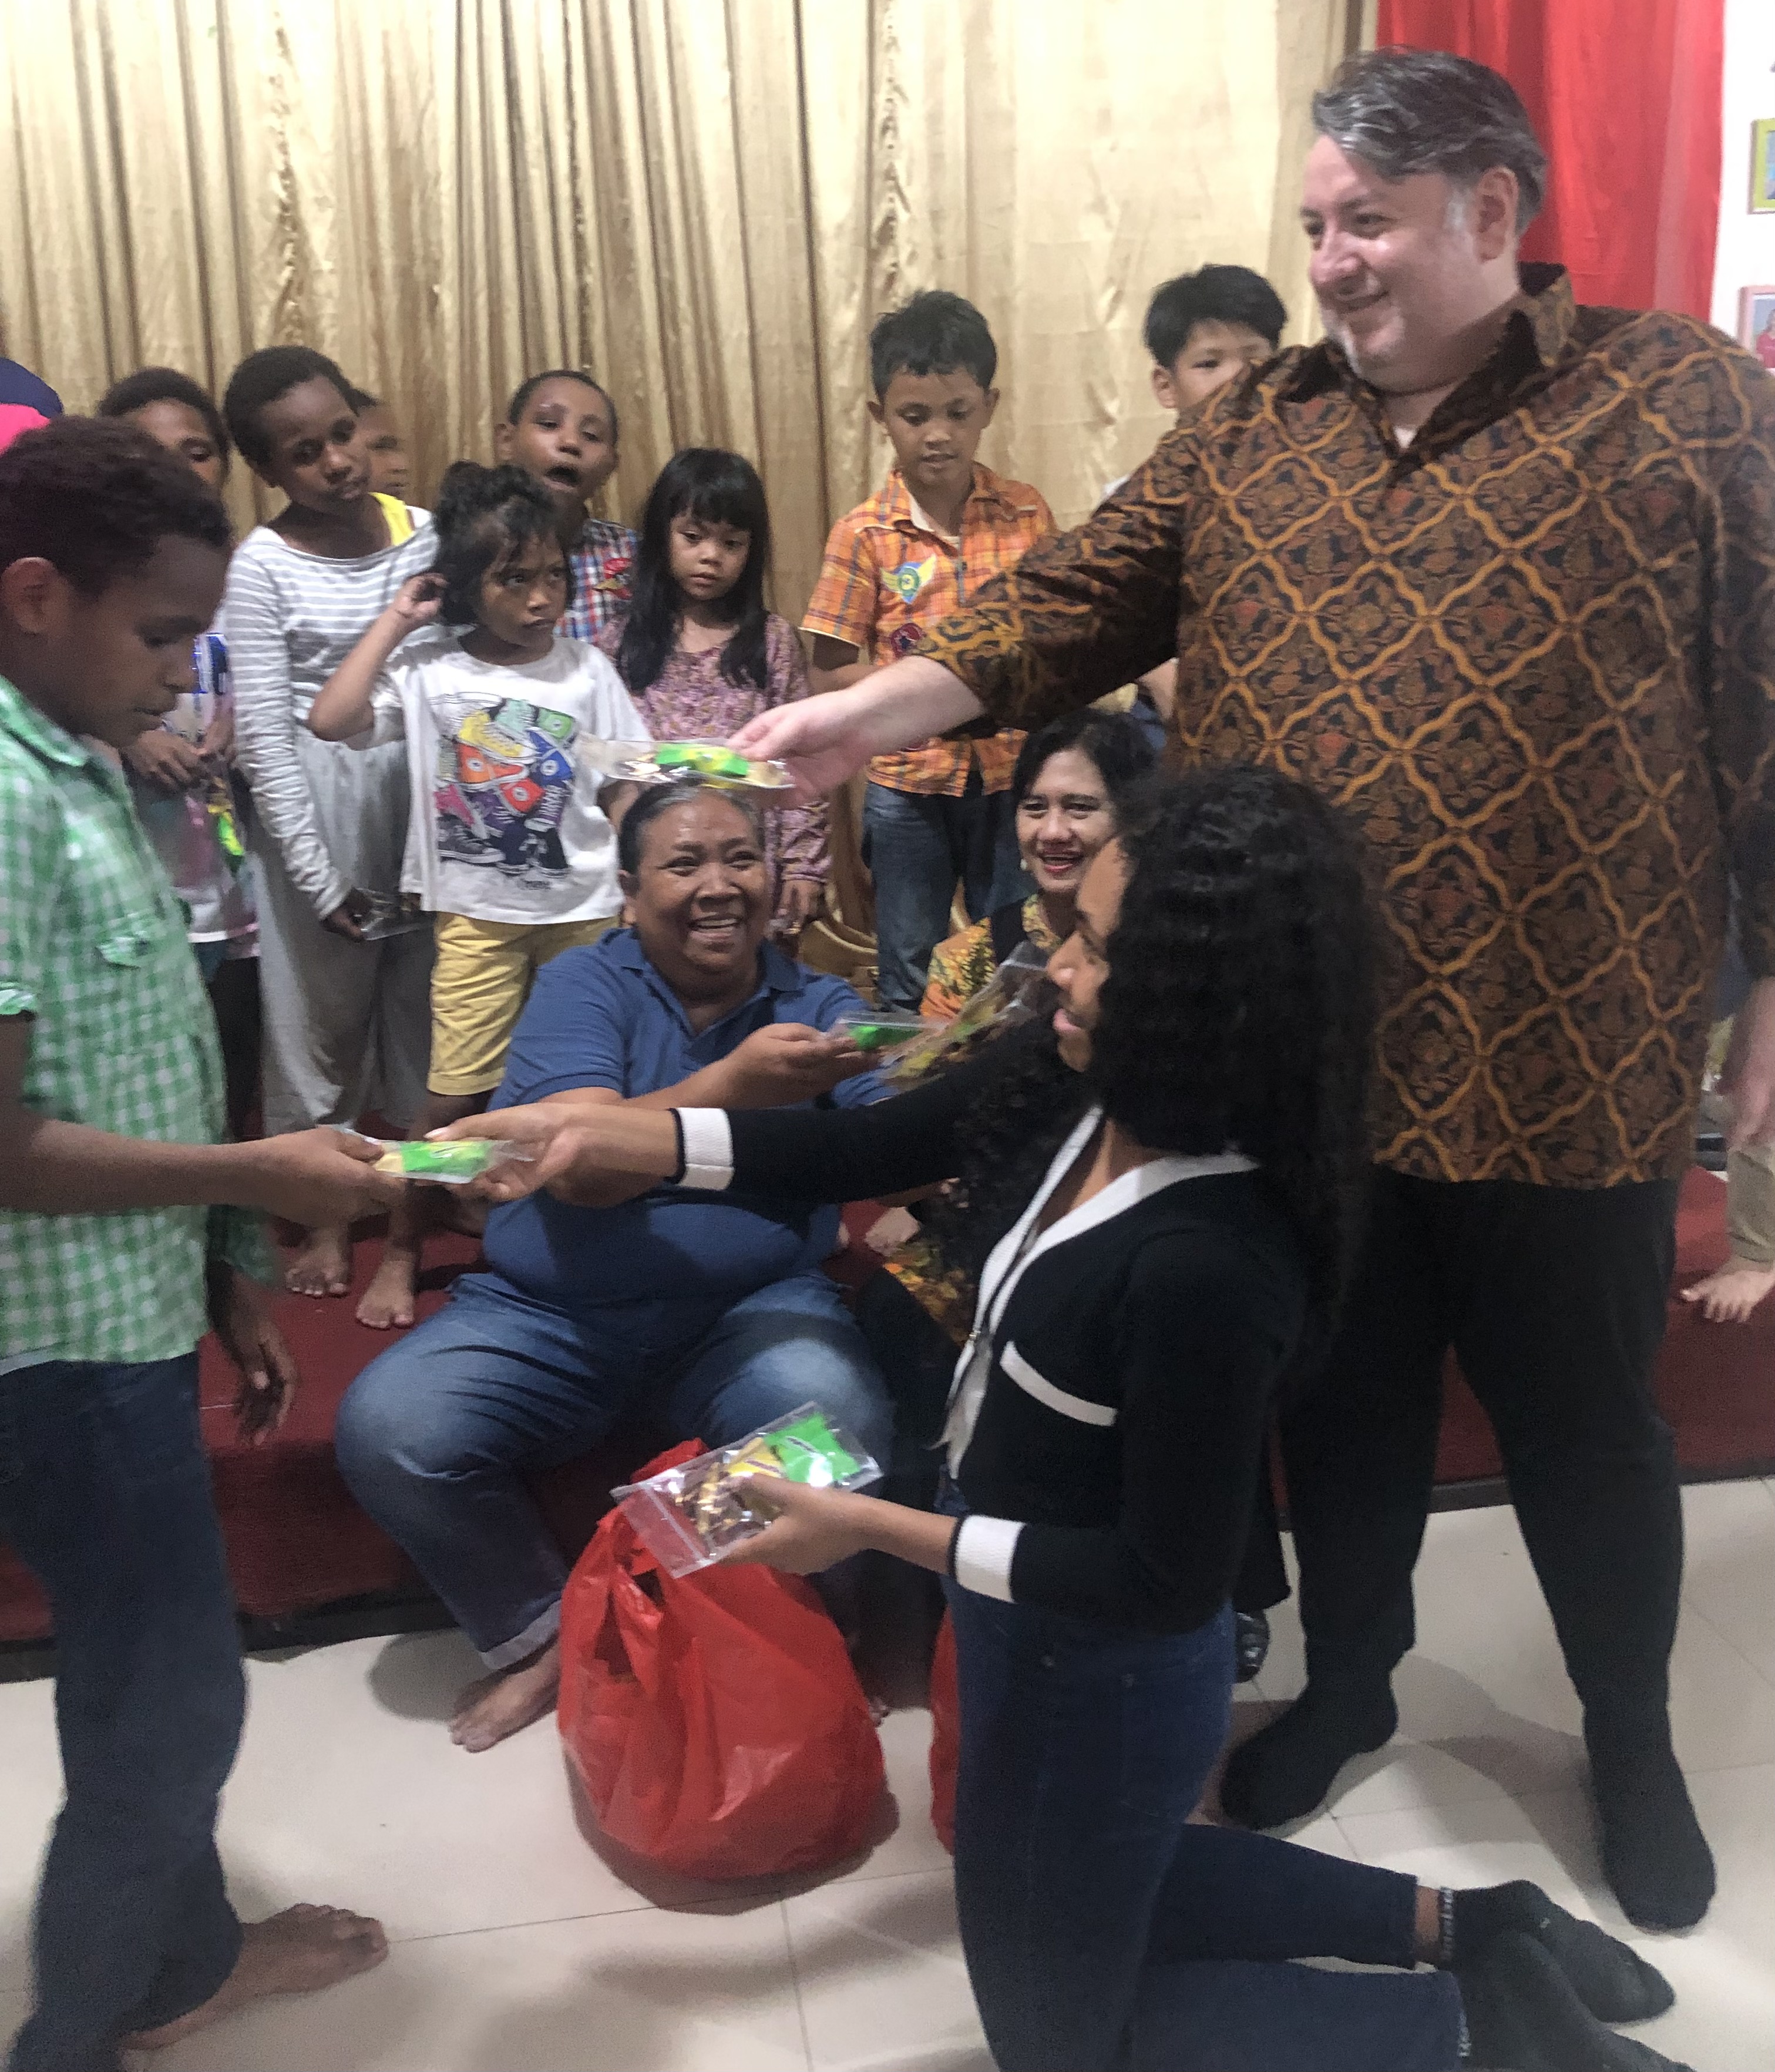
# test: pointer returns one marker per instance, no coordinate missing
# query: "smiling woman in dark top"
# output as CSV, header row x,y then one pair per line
x,y
1161,1199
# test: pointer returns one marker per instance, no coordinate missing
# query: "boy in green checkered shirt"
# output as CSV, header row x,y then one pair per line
x,y
123,1226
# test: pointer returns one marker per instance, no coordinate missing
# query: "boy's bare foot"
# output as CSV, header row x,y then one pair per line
x,y
299,1950
1729,1296
323,1266
493,1708
387,1302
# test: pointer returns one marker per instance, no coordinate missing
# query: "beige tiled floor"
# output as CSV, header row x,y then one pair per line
x,y
516,1948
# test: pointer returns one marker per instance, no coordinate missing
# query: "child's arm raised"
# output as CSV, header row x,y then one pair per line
x,y
345,706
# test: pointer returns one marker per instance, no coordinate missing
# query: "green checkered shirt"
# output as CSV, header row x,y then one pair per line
x,y
92,947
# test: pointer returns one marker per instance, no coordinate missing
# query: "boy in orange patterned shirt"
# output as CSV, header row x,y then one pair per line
x,y
940,814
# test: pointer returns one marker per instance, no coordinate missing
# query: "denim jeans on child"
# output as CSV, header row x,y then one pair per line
x,y
919,846
104,1494
434,1436
1101,1929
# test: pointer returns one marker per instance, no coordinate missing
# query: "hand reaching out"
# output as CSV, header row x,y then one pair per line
x,y
786,1062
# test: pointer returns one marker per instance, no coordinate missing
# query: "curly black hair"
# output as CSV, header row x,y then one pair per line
x,y
264,377
717,488
1239,1010
95,498
166,384
482,514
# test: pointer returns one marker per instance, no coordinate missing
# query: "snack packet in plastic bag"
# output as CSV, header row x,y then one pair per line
x,y
450,1162
690,1515
1010,997
391,914
872,1029
673,762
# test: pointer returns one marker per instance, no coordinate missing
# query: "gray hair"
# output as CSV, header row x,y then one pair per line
x,y
1404,112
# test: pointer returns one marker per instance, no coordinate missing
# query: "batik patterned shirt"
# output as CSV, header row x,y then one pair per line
x,y
1531,655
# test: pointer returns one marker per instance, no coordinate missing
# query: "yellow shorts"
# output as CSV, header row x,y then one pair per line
x,y
483,977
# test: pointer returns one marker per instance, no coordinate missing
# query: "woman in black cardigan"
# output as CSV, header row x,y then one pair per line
x,y
1160,1198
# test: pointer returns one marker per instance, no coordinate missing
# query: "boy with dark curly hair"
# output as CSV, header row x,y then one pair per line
x,y
125,1224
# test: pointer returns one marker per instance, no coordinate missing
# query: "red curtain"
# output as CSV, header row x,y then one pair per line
x,y
1625,96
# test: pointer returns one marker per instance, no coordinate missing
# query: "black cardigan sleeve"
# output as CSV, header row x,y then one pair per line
x,y
1205,1330
847,1154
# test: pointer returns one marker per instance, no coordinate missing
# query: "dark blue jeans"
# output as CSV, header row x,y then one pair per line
x,y
434,1437
104,1495
1104,1930
919,846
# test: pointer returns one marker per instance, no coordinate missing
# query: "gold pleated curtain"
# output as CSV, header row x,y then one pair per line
x,y
706,201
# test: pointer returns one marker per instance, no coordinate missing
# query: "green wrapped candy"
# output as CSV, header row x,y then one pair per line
x,y
884,1035
458,1158
810,1452
701,756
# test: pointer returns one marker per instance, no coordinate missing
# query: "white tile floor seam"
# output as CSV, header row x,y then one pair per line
x,y
516,1946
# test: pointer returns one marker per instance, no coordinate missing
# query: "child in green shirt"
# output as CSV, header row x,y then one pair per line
x,y
125,1225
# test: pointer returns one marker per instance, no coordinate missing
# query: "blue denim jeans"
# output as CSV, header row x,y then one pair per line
x,y
434,1436
1101,1929
919,847
104,1495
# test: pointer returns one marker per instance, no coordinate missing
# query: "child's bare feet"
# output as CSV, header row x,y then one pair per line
x,y
493,1708
323,1266
387,1304
300,1950
1728,1296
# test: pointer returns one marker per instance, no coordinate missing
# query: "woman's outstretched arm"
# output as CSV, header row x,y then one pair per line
x,y
812,1154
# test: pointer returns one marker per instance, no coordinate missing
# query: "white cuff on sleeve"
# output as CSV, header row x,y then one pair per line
x,y
709,1149
984,1548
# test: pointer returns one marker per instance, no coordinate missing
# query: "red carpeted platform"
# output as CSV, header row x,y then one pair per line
x,y
297,1540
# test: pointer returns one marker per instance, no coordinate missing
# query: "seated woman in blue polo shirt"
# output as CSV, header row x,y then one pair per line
x,y
711,1307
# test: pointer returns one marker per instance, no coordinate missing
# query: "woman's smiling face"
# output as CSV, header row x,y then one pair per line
x,y
1063,821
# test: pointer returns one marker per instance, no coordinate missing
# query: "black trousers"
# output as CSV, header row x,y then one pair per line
x,y
1554,1301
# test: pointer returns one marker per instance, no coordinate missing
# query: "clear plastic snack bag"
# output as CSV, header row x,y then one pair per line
x,y
1012,996
447,1162
673,762
389,913
690,1515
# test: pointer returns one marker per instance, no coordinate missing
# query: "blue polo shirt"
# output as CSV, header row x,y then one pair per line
x,y
18,384
603,1016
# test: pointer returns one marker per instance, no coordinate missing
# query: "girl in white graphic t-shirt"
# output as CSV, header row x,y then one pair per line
x,y
513,845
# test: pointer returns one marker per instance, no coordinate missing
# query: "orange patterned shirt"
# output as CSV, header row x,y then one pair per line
x,y
1532,654
888,574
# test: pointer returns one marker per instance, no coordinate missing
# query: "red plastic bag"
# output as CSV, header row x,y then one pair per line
x,y
945,1735
714,1720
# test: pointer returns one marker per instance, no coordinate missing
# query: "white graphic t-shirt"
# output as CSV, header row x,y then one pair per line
x,y
513,832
